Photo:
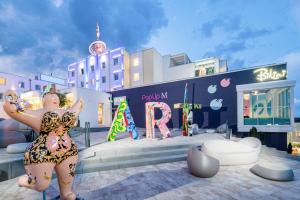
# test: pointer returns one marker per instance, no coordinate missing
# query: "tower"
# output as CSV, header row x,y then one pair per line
x,y
97,47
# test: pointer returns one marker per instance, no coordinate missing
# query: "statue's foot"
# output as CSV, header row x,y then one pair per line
x,y
77,197
69,196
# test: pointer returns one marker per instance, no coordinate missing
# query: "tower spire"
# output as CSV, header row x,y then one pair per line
x,y
97,32
97,47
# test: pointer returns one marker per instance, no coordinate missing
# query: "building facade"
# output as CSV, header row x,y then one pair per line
x,y
102,72
260,97
117,69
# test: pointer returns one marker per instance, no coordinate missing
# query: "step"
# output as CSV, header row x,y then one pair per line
x,y
131,156
94,167
93,151
128,150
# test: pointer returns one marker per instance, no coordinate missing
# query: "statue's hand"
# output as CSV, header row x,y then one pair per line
x,y
11,96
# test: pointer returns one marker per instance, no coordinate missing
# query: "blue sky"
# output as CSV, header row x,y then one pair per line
x,y
45,36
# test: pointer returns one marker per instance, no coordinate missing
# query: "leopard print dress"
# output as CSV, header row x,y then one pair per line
x,y
53,143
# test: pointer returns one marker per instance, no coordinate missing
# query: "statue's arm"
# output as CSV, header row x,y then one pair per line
x,y
29,117
77,107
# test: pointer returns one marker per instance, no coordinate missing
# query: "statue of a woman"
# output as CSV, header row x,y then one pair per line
x,y
53,149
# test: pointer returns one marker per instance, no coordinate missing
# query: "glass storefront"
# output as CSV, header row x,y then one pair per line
x,y
294,139
267,107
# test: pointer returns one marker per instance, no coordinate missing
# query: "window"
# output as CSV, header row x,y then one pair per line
x,y
2,81
103,79
100,113
267,107
103,65
81,84
73,73
200,72
116,76
116,61
210,70
92,68
21,84
82,71
73,85
135,62
136,76
37,87
93,82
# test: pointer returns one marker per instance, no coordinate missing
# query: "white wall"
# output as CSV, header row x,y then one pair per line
x,y
89,112
136,69
158,67
178,72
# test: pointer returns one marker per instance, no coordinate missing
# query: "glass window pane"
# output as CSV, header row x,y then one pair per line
x,y
267,107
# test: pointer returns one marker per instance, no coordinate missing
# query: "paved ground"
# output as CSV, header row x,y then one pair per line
x,y
166,181
170,181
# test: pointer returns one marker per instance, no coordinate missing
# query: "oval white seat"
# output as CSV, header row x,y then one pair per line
x,y
17,148
246,151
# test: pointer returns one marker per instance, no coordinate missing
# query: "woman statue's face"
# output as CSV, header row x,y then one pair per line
x,y
51,100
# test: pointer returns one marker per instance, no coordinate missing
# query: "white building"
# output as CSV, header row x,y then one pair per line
x,y
97,106
109,70
102,72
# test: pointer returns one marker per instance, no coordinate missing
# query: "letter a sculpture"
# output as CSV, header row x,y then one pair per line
x,y
161,123
123,122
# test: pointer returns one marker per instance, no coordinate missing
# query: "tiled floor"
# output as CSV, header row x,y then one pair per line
x,y
170,181
166,181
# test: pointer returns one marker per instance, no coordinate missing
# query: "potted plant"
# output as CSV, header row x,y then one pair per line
x,y
253,132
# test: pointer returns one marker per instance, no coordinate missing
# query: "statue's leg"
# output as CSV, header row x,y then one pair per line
x,y
65,174
38,176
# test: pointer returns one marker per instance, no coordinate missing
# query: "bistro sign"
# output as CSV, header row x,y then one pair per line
x,y
269,74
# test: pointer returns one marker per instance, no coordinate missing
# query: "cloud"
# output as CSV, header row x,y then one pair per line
x,y
237,63
297,101
227,49
293,65
248,33
45,35
227,24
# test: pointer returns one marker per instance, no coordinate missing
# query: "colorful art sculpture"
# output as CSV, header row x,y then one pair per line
x,y
123,122
216,104
53,149
160,123
185,112
225,82
212,89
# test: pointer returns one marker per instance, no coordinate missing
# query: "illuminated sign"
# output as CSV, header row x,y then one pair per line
x,y
265,74
117,100
53,79
155,96
191,106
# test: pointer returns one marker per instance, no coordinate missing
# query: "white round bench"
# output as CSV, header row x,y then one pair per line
x,y
17,148
245,151
275,172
